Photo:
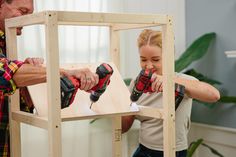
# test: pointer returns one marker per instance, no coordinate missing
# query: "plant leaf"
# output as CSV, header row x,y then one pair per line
x,y
227,99
223,99
201,77
127,81
193,146
92,121
195,51
214,151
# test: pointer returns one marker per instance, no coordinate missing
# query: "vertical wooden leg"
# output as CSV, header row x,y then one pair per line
x,y
116,137
14,127
15,140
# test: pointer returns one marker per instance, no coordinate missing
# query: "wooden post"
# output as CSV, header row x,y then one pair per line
x,y
116,137
115,47
53,85
14,105
168,93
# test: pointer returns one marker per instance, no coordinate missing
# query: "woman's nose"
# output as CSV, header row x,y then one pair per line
x,y
149,65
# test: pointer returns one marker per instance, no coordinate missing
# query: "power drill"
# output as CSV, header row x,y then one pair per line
x,y
70,85
143,83
104,72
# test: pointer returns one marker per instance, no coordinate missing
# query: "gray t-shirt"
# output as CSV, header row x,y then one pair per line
x,y
151,130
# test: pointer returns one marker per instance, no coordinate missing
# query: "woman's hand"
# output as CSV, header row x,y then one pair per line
x,y
157,83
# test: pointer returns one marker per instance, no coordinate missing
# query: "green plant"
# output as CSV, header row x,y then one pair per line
x,y
195,52
195,144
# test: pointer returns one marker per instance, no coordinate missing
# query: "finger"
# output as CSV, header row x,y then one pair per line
x,y
82,79
96,77
88,83
41,60
94,80
153,78
160,87
38,61
29,61
155,84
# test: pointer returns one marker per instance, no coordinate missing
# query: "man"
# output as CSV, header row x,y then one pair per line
x,y
20,74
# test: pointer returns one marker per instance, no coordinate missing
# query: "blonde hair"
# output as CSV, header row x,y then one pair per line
x,y
150,37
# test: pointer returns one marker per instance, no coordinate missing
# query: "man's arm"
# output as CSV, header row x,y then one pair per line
x,y
29,74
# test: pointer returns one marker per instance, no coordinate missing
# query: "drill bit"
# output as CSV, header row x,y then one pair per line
x,y
131,103
91,105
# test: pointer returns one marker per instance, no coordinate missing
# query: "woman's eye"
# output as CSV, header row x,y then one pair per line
x,y
156,60
143,60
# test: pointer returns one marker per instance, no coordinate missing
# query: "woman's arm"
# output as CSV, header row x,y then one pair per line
x,y
199,90
193,88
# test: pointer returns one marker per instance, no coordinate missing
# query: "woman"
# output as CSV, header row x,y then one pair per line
x,y
151,130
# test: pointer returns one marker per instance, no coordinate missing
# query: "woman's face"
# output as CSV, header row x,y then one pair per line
x,y
151,58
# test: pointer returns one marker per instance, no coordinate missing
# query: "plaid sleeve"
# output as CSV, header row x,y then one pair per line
x,y
7,70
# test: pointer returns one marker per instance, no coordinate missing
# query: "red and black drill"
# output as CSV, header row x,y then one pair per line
x,y
70,85
143,83
104,72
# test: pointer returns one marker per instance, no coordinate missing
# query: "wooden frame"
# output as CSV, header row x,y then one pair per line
x,y
117,23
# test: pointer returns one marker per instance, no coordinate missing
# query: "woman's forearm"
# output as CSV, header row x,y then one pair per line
x,y
199,90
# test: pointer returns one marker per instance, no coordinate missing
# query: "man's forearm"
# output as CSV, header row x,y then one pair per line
x,y
28,75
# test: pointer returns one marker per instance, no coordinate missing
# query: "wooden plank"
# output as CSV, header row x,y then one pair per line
x,y
53,85
30,119
73,118
116,137
15,139
110,18
151,112
168,90
31,19
118,27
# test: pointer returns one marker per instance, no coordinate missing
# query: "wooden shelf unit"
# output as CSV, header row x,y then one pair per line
x,y
116,22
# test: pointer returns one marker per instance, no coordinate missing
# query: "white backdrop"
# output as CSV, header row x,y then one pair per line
x,y
90,44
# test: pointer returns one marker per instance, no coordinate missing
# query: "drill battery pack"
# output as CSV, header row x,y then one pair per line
x,y
69,87
179,94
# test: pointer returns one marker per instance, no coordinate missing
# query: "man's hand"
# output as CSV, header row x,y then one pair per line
x,y
87,78
34,61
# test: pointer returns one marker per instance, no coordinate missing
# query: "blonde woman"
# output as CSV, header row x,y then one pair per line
x,y
151,130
